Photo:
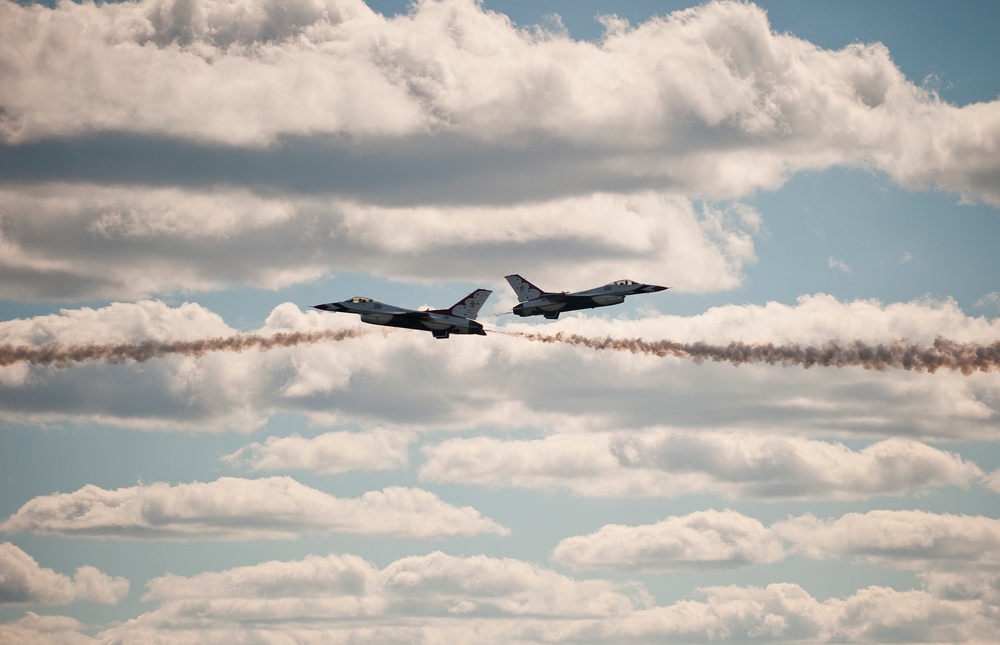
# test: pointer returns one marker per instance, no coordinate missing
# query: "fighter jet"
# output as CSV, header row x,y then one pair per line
x,y
457,319
534,301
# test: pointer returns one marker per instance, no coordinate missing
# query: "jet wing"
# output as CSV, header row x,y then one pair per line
x,y
562,296
430,317
415,316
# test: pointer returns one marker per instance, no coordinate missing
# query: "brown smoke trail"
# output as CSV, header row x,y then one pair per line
x,y
61,355
942,354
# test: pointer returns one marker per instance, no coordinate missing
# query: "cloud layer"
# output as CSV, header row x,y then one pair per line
x,y
947,544
23,581
341,598
459,385
669,463
345,598
645,102
62,238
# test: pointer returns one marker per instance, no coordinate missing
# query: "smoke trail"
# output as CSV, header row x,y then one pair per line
x,y
61,355
943,353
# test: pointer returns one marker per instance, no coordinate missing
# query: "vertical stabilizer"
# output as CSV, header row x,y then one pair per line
x,y
469,306
525,290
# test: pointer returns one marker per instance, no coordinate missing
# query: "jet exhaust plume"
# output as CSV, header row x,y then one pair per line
x,y
60,355
942,354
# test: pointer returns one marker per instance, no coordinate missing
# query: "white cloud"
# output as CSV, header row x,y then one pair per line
x,y
438,583
243,509
786,613
23,581
880,614
789,467
315,587
916,540
668,463
839,265
992,481
704,539
332,452
34,629
989,301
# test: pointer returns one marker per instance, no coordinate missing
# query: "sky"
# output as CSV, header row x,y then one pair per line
x,y
799,173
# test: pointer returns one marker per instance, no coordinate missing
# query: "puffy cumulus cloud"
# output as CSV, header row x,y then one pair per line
x,y
569,461
880,614
670,463
23,581
992,481
34,629
212,391
116,323
243,509
702,539
343,599
332,452
315,587
440,584
777,612
474,382
703,248
964,585
61,238
709,97
787,613
201,53
917,540
789,467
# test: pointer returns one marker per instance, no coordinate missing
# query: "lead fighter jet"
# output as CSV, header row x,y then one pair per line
x,y
457,319
533,301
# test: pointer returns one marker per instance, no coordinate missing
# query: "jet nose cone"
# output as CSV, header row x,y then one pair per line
x,y
653,288
330,306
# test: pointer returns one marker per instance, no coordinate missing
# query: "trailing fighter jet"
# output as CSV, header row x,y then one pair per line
x,y
534,301
457,319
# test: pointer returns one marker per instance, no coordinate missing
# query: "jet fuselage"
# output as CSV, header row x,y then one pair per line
x,y
535,302
457,319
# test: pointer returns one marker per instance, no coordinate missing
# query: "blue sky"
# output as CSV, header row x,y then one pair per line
x,y
797,172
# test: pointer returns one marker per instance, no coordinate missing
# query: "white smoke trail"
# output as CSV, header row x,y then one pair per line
x,y
942,354
60,354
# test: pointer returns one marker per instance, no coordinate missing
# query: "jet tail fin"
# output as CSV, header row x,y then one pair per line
x,y
469,306
525,290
